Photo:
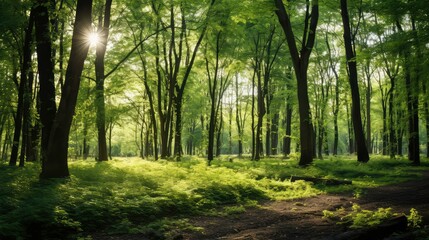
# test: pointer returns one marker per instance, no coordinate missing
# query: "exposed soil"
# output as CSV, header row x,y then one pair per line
x,y
302,218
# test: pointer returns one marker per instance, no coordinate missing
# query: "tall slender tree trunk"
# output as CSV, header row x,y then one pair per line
x,y
288,121
103,32
239,118
268,134
213,88
45,65
336,107
219,132
85,140
151,109
178,151
211,132
252,114
260,116
426,109
350,130
368,108
26,144
362,151
56,165
411,85
275,133
25,69
392,133
180,89
300,61
384,133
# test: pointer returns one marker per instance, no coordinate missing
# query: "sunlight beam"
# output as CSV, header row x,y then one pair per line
x,y
93,39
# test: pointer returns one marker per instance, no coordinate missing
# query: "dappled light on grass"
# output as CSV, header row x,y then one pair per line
x,y
139,196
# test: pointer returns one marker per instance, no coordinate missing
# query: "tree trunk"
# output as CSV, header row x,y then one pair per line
x,y
211,133
392,134
275,133
103,32
268,134
56,165
287,138
260,114
240,120
180,89
7,139
300,61
384,133
411,85
110,139
336,106
253,117
45,67
26,143
413,121
368,109
426,109
219,133
178,129
151,110
25,68
350,130
362,151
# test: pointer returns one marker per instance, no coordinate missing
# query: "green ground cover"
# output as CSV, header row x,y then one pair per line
x,y
131,195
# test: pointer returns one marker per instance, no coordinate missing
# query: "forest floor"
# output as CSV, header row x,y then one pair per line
x,y
303,218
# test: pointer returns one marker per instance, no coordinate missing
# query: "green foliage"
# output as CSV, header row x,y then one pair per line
x,y
414,219
361,218
358,217
152,198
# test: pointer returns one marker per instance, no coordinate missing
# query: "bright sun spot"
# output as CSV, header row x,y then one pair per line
x,y
93,38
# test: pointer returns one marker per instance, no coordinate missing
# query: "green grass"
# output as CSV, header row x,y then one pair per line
x,y
139,196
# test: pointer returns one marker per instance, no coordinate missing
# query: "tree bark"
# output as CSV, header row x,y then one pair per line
x,y
368,107
275,133
25,68
26,143
103,32
411,85
45,66
426,109
300,61
56,165
151,108
213,85
240,118
362,151
336,106
287,139
180,89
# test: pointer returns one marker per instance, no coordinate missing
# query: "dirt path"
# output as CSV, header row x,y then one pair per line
x,y
302,219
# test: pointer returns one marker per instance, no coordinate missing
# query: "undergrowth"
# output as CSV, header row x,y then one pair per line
x,y
362,218
140,196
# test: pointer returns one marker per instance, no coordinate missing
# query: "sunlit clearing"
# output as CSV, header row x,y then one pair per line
x,y
93,39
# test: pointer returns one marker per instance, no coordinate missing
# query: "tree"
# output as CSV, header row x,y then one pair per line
x,y
336,103
103,34
240,113
287,139
300,61
218,82
56,165
179,88
45,67
23,86
349,43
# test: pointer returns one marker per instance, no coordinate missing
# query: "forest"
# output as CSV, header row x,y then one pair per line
x,y
149,119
